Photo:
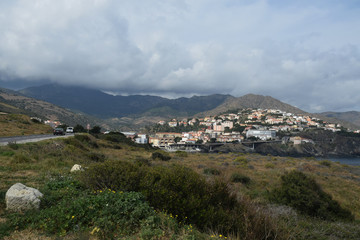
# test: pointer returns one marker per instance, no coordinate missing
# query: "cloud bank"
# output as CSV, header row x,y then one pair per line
x,y
305,53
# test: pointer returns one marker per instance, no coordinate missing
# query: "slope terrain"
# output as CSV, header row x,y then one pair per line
x,y
132,112
351,116
14,102
103,105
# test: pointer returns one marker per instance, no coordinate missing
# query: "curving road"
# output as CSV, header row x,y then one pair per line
x,y
31,138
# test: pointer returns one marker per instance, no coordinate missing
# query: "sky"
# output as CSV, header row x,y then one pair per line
x,y
305,53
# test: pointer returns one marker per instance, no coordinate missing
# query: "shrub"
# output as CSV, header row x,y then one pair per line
x,y
96,157
34,120
107,214
176,189
305,195
161,156
269,165
13,146
183,192
326,163
242,161
84,138
21,158
75,143
211,171
181,154
7,153
237,177
117,175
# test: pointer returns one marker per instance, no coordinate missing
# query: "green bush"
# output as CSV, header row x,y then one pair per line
x,y
107,213
181,154
303,193
117,175
237,177
175,189
68,207
269,165
326,163
242,161
96,157
13,146
161,156
21,158
86,139
211,171
7,153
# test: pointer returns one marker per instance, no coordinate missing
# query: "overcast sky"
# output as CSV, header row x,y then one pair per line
x,y
305,53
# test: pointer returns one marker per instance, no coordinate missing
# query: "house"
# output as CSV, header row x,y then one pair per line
x,y
261,134
141,138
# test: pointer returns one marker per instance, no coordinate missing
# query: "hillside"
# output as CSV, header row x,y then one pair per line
x,y
195,196
102,105
133,112
252,101
351,116
18,124
14,102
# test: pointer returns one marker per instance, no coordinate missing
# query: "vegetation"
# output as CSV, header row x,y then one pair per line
x,y
305,195
18,124
126,193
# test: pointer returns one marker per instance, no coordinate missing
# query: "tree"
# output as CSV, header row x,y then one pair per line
x,y
79,128
95,130
227,130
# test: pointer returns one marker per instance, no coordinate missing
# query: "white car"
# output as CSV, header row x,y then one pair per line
x,y
69,130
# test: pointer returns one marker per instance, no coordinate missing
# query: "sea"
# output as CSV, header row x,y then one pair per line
x,y
347,161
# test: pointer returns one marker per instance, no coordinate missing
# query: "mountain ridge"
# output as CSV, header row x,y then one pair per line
x,y
15,102
141,110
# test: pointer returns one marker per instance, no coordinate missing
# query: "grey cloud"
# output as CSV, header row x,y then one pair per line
x,y
303,54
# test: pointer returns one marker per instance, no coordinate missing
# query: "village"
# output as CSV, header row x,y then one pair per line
x,y
245,125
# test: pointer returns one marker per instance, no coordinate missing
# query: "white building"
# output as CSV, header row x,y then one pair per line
x,y
141,139
262,134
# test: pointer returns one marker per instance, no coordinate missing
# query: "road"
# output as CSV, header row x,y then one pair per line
x,y
31,138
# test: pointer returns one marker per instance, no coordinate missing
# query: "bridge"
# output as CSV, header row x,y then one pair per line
x,y
197,147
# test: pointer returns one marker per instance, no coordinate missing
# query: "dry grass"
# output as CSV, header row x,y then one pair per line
x,y
17,125
55,156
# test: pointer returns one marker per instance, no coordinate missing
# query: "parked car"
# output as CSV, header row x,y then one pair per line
x,y
59,131
69,130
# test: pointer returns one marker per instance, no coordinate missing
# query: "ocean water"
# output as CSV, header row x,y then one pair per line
x,y
348,161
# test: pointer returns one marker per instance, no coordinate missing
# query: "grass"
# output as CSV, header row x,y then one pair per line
x,y
18,124
34,164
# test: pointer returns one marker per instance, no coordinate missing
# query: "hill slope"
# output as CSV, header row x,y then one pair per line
x,y
19,124
351,116
138,110
252,101
14,102
102,105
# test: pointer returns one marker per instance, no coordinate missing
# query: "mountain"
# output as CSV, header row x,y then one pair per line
x,y
252,101
129,112
103,105
14,102
351,116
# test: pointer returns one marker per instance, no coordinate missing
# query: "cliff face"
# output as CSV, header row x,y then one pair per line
x,y
336,146
327,144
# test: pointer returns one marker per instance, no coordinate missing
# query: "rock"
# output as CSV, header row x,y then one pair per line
x,y
21,198
76,168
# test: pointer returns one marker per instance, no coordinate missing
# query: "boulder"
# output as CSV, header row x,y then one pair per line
x,y
76,168
21,198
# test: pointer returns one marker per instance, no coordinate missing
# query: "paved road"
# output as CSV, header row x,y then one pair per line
x,y
32,138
